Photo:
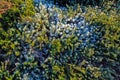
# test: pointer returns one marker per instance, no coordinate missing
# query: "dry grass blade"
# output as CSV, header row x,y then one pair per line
x,y
4,6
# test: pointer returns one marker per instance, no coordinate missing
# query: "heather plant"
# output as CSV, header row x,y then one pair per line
x,y
49,42
16,12
55,44
10,36
108,48
9,41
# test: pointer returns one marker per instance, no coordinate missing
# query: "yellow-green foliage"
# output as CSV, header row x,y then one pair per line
x,y
36,51
108,18
56,46
25,7
108,47
9,19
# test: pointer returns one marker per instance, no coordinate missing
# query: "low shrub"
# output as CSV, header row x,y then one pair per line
x,y
56,44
